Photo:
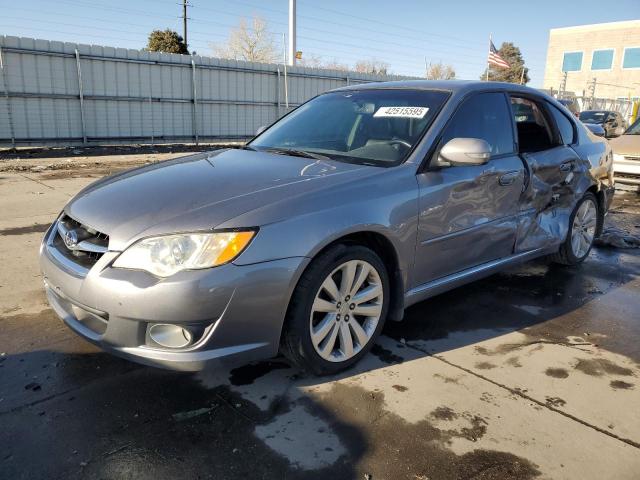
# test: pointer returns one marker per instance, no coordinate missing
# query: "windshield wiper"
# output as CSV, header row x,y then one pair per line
x,y
248,147
296,153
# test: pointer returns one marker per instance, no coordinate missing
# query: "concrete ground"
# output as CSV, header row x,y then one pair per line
x,y
534,372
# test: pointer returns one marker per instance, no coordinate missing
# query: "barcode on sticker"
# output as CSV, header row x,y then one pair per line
x,y
404,112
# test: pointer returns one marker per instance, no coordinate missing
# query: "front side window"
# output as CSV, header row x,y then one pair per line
x,y
631,58
484,116
534,133
377,127
602,59
565,126
572,62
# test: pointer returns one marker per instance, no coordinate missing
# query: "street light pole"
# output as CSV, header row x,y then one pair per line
x,y
292,32
185,4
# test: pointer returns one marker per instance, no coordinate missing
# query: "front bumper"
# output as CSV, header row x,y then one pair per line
x,y
237,310
627,170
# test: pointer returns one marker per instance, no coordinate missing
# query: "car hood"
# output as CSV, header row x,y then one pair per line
x,y
626,145
199,192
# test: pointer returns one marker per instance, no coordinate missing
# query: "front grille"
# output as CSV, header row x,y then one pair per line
x,y
632,158
79,243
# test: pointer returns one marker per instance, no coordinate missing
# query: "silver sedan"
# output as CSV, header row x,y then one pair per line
x,y
333,220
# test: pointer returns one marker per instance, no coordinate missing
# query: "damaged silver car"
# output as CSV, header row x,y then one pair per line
x,y
356,205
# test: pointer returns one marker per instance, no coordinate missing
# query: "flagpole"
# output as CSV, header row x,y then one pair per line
x,y
487,77
522,75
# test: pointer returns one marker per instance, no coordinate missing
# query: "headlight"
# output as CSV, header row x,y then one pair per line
x,y
166,255
618,158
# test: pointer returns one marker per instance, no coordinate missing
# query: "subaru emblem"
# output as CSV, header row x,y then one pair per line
x,y
71,239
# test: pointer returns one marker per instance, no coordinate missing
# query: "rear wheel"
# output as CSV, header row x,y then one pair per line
x,y
583,225
337,310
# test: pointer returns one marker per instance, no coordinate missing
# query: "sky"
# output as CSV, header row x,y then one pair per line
x,y
403,33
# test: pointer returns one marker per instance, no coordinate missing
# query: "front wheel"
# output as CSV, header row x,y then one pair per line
x,y
583,225
337,310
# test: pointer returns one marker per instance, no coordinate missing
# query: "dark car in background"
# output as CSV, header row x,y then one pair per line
x,y
612,122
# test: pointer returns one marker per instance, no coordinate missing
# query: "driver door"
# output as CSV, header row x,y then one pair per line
x,y
468,213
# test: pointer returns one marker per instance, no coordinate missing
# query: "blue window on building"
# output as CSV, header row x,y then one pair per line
x,y
602,59
572,62
631,58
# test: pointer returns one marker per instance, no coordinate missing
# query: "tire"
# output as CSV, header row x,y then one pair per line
x,y
313,310
568,254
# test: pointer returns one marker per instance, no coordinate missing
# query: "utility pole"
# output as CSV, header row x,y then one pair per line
x,y
292,32
185,4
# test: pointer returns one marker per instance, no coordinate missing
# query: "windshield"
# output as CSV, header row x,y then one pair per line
x,y
377,127
634,129
592,116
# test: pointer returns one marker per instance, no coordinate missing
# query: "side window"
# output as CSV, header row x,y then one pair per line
x,y
565,126
484,116
534,133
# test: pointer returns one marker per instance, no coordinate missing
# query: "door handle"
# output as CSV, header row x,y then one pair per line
x,y
508,178
566,166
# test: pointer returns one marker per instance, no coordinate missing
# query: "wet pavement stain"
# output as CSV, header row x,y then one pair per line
x,y
556,372
35,228
599,366
386,356
514,362
444,413
247,374
555,402
446,379
400,388
396,449
485,365
620,385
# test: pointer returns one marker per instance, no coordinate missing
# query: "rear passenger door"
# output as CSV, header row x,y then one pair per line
x,y
544,135
468,213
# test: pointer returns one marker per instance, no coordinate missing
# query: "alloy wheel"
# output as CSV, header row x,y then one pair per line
x,y
346,311
584,228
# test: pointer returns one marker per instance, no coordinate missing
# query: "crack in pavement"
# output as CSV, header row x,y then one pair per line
x,y
527,397
39,182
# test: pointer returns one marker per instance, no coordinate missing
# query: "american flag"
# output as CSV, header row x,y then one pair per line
x,y
495,58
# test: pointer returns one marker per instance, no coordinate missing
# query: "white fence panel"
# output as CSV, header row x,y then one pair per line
x,y
64,93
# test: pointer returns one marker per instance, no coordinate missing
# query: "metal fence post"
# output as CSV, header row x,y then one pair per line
x,y
84,130
348,80
278,114
6,96
195,101
152,123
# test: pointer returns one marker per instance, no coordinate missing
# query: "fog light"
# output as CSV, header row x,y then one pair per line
x,y
170,336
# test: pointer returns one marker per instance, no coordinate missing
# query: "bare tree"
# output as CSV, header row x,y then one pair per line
x,y
440,71
335,65
252,43
315,61
376,67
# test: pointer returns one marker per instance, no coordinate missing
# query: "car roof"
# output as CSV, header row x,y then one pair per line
x,y
454,86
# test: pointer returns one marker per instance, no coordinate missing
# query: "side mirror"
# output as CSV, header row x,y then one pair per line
x,y
260,129
464,151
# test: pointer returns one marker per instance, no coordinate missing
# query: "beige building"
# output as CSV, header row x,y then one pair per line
x,y
607,52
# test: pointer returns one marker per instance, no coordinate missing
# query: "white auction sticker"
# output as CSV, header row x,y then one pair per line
x,y
403,112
